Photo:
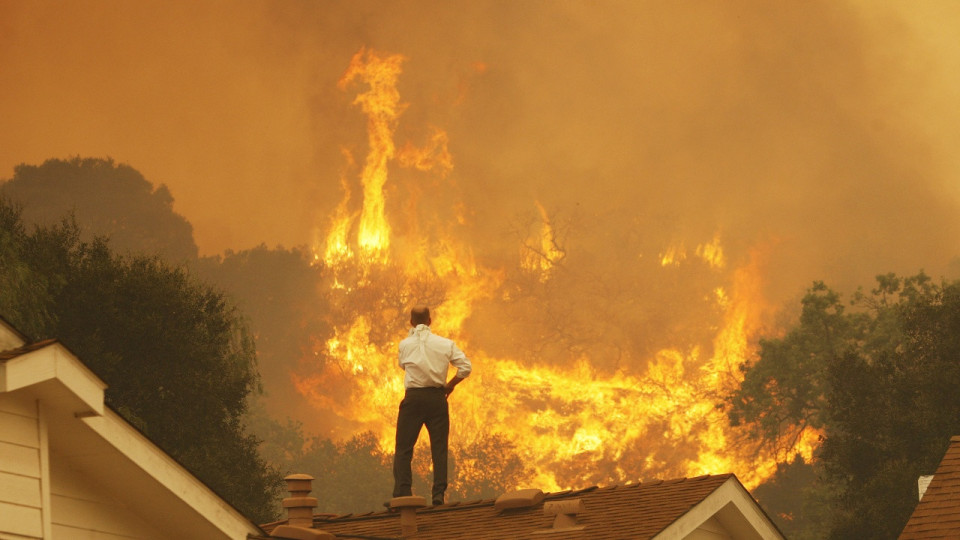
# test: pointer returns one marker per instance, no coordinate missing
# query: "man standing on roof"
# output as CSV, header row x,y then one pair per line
x,y
426,358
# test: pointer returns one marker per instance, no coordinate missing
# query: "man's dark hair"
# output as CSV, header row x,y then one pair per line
x,y
420,315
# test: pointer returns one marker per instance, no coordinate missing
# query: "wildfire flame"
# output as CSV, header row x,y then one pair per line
x,y
710,252
543,254
381,103
570,424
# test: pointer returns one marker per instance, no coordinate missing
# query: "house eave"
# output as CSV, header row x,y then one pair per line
x,y
733,506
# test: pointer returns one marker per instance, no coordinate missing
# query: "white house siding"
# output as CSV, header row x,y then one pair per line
x,y
21,500
83,511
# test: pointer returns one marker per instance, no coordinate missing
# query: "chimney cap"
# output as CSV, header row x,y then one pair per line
x,y
300,502
410,501
298,476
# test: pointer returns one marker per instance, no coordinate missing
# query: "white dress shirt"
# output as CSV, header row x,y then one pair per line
x,y
426,357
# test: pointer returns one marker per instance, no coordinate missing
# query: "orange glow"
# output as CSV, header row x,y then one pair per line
x,y
572,424
434,157
543,253
337,243
673,255
381,104
712,253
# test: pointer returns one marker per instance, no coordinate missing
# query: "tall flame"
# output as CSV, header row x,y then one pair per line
x,y
381,104
338,243
572,424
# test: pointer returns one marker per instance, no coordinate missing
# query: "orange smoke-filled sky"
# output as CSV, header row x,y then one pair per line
x,y
826,128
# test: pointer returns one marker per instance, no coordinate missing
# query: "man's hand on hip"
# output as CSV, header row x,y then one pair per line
x,y
451,384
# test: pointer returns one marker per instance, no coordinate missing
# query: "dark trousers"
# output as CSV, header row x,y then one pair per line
x,y
421,407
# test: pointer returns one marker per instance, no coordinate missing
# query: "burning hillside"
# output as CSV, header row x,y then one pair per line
x,y
578,409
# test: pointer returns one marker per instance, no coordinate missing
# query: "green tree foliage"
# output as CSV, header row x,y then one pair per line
x,y
486,468
108,200
278,291
892,415
797,501
177,357
783,393
350,476
877,377
356,475
22,290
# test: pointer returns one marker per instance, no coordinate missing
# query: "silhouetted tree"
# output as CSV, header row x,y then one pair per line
x,y
106,199
796,500
892,415
487,468
350,476
878,380
24,292
278,290
176,355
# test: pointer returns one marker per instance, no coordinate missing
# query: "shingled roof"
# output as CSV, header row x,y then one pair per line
x,y
10,354
640,511
938,513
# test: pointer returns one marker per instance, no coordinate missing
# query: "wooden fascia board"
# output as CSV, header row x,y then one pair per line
x,y
54,363
171,476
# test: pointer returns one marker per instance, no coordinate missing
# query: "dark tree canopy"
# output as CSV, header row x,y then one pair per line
x,y
796,501
24,292
354,475
878,377
110,200
278,290
176,355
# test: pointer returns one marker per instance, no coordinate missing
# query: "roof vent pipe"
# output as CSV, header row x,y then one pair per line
x,y
565,512
299,505
408,512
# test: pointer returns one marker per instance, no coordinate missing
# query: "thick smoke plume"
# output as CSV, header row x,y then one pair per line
x,y
808,141
823,127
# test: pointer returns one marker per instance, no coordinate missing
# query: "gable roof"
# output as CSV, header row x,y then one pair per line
x,y
89,437
937,515
648,510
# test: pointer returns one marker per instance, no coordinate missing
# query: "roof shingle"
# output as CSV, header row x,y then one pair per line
x,y
638,511
938,514
20,351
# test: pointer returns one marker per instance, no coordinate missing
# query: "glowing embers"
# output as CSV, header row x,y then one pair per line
x,y
710,252
673,255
